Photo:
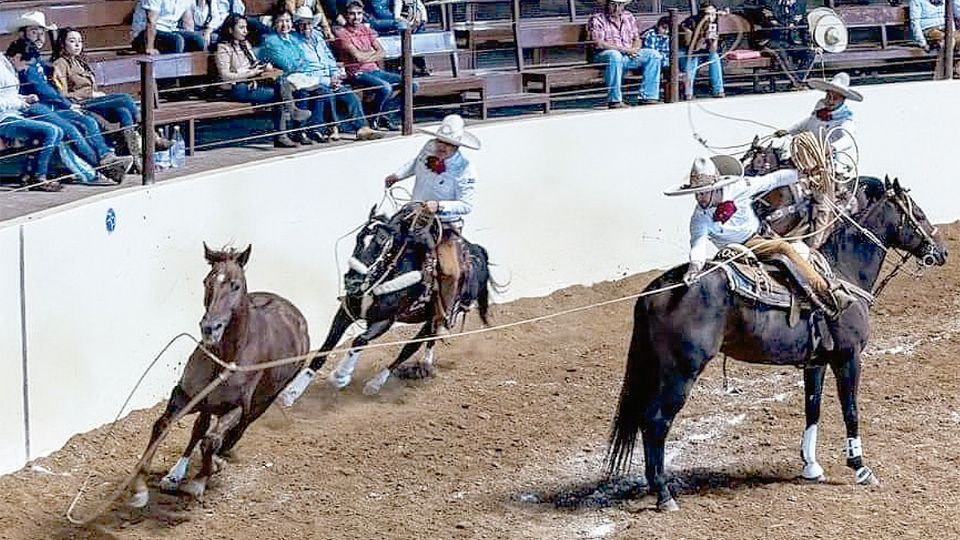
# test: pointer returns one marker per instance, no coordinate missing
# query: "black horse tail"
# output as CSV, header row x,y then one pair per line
x,y
636,394
484,281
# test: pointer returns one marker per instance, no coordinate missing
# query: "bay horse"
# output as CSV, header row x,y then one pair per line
x,y
677,332
384,285
240,328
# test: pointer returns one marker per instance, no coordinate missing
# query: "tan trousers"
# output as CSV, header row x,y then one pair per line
x,y
764,247
448,259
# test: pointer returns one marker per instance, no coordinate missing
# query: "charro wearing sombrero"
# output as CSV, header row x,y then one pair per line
x,y
724,215
831,119
444,182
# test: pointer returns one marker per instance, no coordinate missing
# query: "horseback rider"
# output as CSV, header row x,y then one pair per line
x,y
832,122
724,215
444,183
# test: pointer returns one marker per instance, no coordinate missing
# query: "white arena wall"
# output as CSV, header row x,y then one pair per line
x,y
562,199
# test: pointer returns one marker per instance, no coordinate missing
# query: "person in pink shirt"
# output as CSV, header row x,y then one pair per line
x,y
362,56
617,43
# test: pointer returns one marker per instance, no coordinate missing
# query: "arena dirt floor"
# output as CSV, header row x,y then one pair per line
x,y
508,439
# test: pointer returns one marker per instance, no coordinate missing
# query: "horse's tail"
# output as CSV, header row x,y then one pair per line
x,y
639,387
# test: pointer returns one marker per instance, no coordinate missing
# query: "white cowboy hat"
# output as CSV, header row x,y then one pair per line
x,y
840,84
708,174
31,18
304,13
828,32
620,1
451,131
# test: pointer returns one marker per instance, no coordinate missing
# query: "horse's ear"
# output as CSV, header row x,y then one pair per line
x,y
209,254
886,181
756,141
244,256
373,212
896,185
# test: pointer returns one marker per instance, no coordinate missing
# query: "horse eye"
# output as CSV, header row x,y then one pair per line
x,y
234,286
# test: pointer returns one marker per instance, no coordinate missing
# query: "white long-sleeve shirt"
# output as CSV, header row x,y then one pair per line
x,y
452,189
841,141
417,7
743,224
11,102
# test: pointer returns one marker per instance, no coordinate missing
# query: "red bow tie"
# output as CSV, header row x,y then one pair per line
x,y
725,211
436,164
824,115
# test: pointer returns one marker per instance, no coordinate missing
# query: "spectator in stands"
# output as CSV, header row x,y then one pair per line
x,y
657,38
33,27
362,56
784,35
165,26
321,64
75,80
250,81
324,10
699,41
14,127
927,22
616,38
283,49
81,131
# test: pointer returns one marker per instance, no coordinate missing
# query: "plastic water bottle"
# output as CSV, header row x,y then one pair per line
x,y
178,153
162,157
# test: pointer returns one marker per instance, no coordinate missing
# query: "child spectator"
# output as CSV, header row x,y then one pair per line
x,y
165,26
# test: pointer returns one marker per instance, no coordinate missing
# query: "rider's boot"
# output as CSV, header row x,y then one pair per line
x,y
840,298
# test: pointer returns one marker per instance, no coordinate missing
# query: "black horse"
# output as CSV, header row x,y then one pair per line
x,y
384,285
677,332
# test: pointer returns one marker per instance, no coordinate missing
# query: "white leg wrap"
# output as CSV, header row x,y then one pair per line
x,y
175,476
854,448
808,451
865,477
297,387
374,385
341,376
428,357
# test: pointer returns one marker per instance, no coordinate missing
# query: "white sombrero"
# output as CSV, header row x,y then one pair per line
x,y
828,30
304,13
840,84
708,174
31,18
451,131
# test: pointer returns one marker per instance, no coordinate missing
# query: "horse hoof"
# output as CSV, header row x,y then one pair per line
x,y
865,477
194,488
670,505
414,372
339,381
170,484
139,499
813,472
219,464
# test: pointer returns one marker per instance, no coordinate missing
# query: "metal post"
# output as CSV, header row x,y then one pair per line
x,y
148,90
406,52
673,88
515,16
949,40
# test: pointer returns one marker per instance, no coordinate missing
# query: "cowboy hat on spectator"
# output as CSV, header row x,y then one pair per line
x,y
708,174
31,18
839,84
451,131
304,13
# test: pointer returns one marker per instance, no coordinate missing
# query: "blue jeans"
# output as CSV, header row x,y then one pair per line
x,y
692,63
80,130
346,98
34,133
245,93
381,83
114,108
171,42
648,61
316,100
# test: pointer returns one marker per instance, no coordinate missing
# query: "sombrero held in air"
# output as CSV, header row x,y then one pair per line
x,y
708,174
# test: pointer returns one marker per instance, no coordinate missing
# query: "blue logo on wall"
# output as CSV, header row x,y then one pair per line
x,y
111,220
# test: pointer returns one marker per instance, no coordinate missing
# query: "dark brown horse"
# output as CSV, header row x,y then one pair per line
x,y
241,328
678,331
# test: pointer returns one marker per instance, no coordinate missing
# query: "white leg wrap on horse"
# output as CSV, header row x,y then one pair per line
x,y
865,477
854,448
808,451
428,357
341,376
374,385
175,476
297,387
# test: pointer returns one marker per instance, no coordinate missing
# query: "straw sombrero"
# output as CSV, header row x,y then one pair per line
x,y
840,84
708,174
451,131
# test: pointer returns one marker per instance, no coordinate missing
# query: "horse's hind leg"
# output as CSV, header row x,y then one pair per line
x,y
178,472
211,445
374,385
813,391
342,376
847,372
178,399
673,394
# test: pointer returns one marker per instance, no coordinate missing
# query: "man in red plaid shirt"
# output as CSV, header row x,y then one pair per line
x,y
616,38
